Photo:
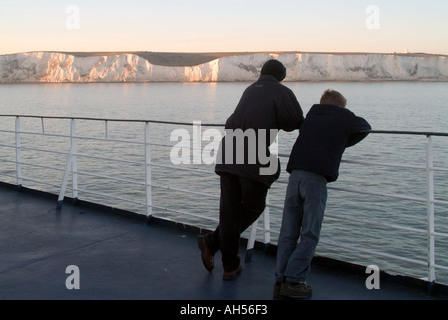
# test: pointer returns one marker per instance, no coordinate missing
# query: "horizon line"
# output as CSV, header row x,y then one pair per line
x,y
225,53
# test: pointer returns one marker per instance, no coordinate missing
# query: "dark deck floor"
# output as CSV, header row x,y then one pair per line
x,y
123,258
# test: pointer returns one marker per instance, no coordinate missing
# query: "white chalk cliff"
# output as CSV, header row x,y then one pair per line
x,y
64,67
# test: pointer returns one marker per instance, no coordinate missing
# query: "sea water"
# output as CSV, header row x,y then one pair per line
x,y
392,106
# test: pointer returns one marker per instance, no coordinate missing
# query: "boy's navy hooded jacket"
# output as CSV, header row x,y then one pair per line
x,y
266,104
324,135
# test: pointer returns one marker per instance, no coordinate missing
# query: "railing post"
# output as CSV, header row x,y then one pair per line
x,y
430,210
69,165
197,138
253,233
251,242
18,155
74,160
148,175
267,225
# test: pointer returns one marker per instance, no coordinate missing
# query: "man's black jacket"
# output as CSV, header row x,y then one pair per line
x,y
268,105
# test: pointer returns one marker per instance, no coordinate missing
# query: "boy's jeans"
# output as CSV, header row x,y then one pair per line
x,y
303,213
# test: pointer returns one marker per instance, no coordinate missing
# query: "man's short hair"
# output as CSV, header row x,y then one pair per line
x,y
333,97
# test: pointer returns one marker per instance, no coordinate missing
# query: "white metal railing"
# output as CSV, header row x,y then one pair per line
x,y
72,171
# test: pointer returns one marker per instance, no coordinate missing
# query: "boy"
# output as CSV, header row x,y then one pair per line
x,y
328,129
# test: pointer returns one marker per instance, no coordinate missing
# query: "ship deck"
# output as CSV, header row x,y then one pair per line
x,y
121,257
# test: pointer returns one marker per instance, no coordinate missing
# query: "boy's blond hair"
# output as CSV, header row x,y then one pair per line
x,y
333,97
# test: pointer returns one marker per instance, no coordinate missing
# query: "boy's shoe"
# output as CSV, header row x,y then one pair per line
x,y
232,274
295,290
276,292
206,254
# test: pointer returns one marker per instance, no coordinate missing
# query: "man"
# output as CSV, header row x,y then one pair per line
x,y
329,128
265,107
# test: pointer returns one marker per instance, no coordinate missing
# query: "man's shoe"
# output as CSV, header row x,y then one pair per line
x,y
206,254
295,290
276,292
232,274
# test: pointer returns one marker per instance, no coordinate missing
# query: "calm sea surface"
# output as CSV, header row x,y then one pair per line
x,y
404,106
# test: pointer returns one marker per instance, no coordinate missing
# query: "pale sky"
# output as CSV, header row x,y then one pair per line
x,y
224,25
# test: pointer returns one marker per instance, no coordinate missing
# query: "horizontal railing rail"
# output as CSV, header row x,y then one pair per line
x,y
72,172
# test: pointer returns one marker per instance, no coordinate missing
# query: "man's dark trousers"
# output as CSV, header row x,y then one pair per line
x,y
242,202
